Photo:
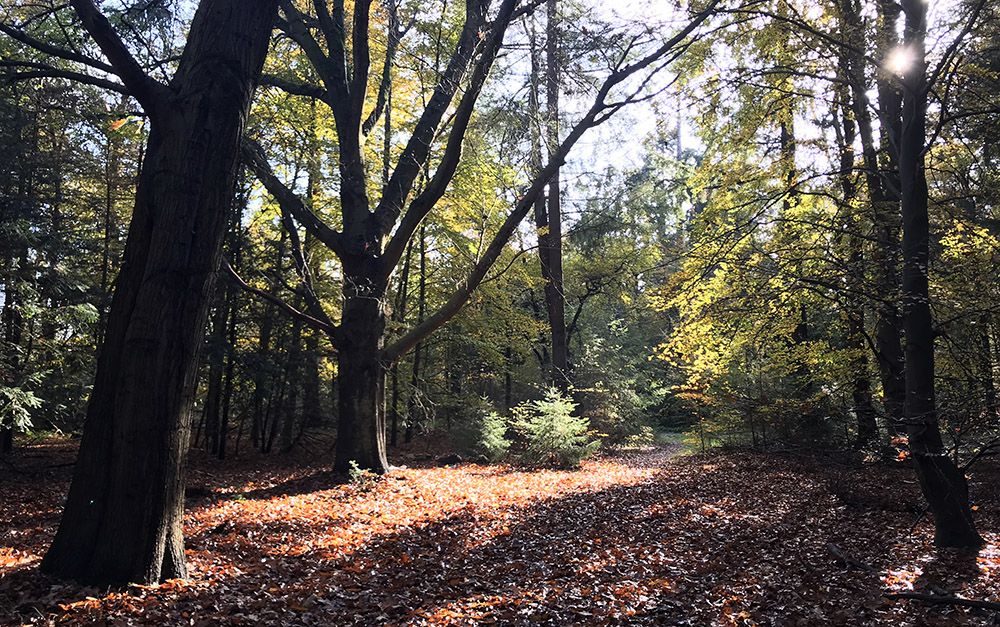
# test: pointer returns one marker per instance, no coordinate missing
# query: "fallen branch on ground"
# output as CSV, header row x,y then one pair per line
x,y
849,561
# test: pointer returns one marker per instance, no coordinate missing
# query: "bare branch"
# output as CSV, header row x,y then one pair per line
x,y
417,150
438,184
461,296
255,159
41,70
302,268
333,332
142,87
952,49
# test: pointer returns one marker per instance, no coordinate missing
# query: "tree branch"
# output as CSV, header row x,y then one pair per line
x,y
396,34
459,298
446,169
302,268
333,332
298,31
417,150
254,157
293,87
52,50
41,70
361,56
142,87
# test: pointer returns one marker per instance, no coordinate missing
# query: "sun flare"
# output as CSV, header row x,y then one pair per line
x,y
899,60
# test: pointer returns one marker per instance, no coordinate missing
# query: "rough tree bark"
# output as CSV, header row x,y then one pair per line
x,y
123,516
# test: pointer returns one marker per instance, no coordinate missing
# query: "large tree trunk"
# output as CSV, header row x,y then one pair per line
x,y
123,516
361,376
942,483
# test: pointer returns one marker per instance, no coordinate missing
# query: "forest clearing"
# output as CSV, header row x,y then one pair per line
x,y
637,538
667,312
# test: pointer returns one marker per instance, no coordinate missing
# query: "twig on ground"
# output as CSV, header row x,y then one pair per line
x,y
849,562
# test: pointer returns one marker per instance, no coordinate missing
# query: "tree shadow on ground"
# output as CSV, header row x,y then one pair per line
x,y
307,484
699,543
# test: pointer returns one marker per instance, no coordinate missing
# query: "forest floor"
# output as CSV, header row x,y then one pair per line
x,y
647,538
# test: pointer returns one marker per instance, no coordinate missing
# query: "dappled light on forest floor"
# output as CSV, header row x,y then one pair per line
x,y
732,539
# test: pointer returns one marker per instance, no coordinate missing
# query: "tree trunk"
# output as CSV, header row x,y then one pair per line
x,y
227,389
861,397
884,186
231,334
13,328
312,406
18,271
555,298
986,366
263,379
547,209
216,370
418,351
942,483
361,412
882,183
292,374
399,316
123,516
110,194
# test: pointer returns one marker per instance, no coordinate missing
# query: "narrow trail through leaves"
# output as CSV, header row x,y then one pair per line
x,y
730,539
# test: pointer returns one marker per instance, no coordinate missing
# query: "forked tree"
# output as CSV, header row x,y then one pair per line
x,y
123,517
375,233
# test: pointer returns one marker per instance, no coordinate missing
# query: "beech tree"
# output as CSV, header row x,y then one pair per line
x,y
376,234
124,512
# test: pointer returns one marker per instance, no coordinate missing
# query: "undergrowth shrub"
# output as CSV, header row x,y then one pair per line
x,y
553,434
493,442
